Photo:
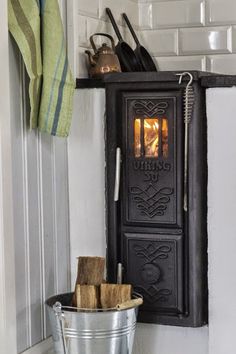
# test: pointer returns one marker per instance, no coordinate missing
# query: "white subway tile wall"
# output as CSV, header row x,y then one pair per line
x,y
221,12
205,40
182,63
180,34
178,13
162,42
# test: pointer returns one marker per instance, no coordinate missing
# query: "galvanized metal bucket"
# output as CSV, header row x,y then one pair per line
x,y
77,331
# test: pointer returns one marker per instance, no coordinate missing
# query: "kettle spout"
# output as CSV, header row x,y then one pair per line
x,y
90,56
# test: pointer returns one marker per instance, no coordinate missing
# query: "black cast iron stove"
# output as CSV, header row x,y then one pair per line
x,y
157,192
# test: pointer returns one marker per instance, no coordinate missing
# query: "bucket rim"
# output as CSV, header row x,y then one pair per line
x,y
57,304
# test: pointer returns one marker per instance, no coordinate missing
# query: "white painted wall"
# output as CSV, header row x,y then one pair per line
x,y
87,177
221,108
155,339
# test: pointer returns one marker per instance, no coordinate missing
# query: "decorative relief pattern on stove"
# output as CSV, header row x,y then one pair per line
x,y
150,108
154,274
153,294
151,201
151,252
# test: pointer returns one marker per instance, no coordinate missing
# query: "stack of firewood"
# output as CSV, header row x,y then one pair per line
x,y
92,291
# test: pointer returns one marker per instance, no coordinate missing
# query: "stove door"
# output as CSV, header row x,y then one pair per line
x,y
153,264
152,150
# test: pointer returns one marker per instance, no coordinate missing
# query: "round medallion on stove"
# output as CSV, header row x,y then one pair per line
x,y
150,273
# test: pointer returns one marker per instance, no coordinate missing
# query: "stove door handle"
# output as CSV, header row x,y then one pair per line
x,y
117,177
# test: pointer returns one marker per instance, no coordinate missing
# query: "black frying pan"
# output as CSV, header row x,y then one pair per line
x,y
141,53
126,55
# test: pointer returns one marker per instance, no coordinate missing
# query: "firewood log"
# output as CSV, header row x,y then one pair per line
x,y
113,294
90,270
87,296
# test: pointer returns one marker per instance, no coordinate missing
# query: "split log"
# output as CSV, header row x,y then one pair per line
x,y
113,294
87,296
90,270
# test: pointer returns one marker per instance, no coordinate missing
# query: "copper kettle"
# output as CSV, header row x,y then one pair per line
x,y
104,60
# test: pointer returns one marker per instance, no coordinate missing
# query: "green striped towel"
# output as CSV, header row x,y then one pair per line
x,y
38,31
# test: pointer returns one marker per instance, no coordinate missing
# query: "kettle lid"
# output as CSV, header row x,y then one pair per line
x,y
105,49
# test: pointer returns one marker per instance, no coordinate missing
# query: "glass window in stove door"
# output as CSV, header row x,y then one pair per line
x,y
151,137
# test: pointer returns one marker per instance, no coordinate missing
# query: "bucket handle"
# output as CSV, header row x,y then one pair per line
x,y
137,295
61,317
57,307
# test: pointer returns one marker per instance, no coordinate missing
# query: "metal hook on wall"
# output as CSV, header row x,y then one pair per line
x,y
181,75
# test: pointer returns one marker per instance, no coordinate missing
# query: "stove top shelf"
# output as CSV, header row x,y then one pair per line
x,y
206,79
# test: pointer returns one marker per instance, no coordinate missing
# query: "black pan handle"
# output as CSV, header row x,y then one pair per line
x,y
131,29
116,29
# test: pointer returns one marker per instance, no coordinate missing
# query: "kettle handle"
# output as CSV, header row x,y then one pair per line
x,y
104,35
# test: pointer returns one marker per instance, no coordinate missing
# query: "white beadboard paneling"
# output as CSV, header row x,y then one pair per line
x,y
34,236
221,12
61,217
82,31
182,63
205,40
7,263
40,204
82,63
48,232
145,16
160,42
33,231
181,14
20,224
40,199
88,7
222,64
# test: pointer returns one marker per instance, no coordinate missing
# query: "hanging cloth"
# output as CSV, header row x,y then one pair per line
x,y
37,28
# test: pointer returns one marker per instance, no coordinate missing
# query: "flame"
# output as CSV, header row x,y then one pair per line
x,y
147,125
151,137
